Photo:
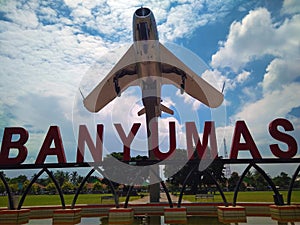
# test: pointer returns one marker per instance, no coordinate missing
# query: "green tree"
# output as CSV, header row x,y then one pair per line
x,y
35,189
4,175
67,187
25,185
42,181
197,180
79,179
74,177
51,188
14,187
233,180
18,180
97,186
260,183
249,179
134,175
2,187
61,176
283,180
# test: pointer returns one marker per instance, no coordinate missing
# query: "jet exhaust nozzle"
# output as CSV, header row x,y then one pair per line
x,y
142,12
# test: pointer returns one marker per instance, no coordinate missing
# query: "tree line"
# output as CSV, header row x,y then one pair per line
x,y
198,181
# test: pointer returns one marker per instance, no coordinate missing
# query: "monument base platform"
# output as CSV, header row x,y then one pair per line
x,y
120,216
14,216
285,213
232,214
175,215
66,216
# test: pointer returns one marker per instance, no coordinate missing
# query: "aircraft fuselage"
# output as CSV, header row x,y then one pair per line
x,y
146,45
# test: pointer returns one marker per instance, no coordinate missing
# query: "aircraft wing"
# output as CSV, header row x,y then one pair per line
x,y
184,78
111,86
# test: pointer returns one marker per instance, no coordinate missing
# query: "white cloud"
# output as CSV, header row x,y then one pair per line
x,y
290,6
189,100
276,104
244,75
46,49
22,14
48,44
256,36
214,78
280,72
218,80
258,115
174,20
247,40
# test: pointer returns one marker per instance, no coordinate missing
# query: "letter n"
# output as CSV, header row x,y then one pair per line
x,y
84,137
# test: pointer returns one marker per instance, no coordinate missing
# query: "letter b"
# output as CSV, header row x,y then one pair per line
x,y
8,144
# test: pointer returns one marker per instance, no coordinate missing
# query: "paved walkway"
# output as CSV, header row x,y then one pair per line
x,y
163,199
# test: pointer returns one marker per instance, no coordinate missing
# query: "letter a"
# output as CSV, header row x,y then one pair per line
x,y
52,135
241,129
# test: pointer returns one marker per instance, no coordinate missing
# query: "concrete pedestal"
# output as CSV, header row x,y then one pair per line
x,y
285,213
120,216
66,216
175,215
14,216
232,214
297,213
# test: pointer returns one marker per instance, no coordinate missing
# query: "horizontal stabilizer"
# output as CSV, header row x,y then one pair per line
x,y
162,108
166,109
141,112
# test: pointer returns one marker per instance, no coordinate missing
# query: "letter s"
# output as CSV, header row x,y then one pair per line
x,y
283,137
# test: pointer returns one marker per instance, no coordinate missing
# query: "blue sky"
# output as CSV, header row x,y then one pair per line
x,y
47,49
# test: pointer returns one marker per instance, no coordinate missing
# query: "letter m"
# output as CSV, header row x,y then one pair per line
x,y
192,137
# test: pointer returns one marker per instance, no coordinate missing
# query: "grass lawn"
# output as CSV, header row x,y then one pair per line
x,y
35,200
249,196
255,196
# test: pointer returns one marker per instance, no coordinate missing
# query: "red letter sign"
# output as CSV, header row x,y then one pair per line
x,y
278,135
84,137
241,129
192,134
127,140
52,135
154,138
8,144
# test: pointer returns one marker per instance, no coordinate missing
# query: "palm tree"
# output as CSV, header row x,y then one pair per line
x,y
60,177
74,177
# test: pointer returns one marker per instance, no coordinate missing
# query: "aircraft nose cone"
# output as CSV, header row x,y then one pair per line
x,y
142,12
